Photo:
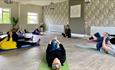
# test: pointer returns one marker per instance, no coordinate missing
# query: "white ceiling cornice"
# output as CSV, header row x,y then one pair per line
x,y
38,2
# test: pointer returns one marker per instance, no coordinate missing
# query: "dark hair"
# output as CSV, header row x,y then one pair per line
x,y
97,35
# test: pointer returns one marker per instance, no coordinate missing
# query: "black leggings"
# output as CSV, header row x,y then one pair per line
x,y
21,43
112,40
68,35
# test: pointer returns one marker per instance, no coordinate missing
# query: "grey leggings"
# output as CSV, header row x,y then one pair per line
x,y
112,51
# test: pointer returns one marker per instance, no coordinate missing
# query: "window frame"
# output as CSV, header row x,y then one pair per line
x,y
35,15
3,16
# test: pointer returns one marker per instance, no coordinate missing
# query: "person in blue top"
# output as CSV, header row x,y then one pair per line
x,y
99,39
95,37
107,46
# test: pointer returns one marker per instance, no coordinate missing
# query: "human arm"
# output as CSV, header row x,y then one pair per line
x,y
105,45
62,49
48,48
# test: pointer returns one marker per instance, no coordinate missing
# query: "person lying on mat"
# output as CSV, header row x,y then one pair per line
x,y
107,46
55,54
9,35
95,37
100,41
36,32
25,31
17,39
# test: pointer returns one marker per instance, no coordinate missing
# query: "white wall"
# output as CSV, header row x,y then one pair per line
x,y
20,10
23,16
14,12
57,16
56,28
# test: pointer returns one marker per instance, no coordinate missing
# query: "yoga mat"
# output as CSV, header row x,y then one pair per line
x,y
44,66
87,45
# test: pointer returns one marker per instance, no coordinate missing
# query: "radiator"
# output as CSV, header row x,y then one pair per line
x,y
101,29
56,28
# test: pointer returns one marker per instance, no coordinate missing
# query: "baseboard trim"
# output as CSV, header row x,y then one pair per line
x,y
79,35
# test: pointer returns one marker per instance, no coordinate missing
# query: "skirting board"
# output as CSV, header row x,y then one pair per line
x,y
79,35
72,34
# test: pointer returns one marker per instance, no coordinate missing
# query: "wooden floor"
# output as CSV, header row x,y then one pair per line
x,y
81,55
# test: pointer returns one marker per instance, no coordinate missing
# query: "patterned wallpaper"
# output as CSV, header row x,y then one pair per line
x,y
99,13
58,15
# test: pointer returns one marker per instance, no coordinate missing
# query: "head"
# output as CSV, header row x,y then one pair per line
x,y
54,42
56,64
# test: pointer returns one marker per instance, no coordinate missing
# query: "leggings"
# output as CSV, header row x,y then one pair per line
x,y
21,43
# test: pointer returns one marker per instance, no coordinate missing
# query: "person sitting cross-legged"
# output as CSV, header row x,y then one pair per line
x,y
55,54
67,32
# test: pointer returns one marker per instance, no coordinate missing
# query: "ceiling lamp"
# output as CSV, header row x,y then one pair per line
x,y
87,1
52,6
8,1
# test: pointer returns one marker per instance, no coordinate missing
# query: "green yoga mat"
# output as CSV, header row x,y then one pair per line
x,y
44,66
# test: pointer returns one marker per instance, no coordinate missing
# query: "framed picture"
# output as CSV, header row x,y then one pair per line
x,y
75,11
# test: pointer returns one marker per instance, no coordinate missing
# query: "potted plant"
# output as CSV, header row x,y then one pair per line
x,y
14,22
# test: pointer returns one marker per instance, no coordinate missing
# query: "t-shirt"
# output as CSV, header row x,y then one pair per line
x,y
100,41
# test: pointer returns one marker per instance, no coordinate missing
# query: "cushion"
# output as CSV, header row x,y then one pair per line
x,y
6,45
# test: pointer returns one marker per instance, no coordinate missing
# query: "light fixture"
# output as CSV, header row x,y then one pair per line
x,y
52,6
8,1
87,1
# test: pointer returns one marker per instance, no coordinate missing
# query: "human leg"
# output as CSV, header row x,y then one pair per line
x,y
63,35
104,45
21,43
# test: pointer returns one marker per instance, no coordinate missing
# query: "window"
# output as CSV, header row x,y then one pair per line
x,y
32,18
4,16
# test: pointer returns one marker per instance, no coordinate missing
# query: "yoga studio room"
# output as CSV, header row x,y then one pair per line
x,y
57,34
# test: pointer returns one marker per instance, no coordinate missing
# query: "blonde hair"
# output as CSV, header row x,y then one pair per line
x,y
56,66
57,69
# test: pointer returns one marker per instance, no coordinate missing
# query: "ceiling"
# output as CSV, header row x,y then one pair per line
x,y
38,2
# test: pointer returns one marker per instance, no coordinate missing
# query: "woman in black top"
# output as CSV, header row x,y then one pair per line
x,y
55,54
67,32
